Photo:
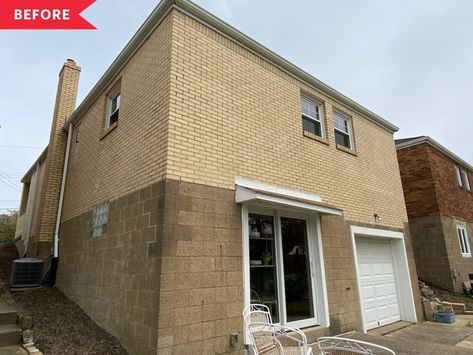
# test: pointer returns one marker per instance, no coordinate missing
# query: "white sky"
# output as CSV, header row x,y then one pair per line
x,y
411,62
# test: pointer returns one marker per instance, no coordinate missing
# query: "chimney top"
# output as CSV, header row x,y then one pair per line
x,y
70,63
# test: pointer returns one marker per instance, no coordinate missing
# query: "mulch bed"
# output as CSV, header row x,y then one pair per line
x,y
60,326
447,296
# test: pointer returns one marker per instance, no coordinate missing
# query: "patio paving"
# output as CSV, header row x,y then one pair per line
x,y
426,338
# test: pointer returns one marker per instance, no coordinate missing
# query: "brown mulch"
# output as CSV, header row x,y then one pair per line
x,y
447,296
60,326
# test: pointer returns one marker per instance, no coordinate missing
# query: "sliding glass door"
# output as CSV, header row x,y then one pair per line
x,y
281,255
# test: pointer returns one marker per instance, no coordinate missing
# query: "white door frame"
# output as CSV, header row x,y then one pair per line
x,y
317,266
401,265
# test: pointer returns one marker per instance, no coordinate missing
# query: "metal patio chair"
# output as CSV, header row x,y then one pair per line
x,y
275,339
345,346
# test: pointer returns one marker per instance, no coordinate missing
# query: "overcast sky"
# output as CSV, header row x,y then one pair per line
x,y
410,62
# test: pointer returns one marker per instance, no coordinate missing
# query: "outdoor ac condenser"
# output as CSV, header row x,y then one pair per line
x,y
26,273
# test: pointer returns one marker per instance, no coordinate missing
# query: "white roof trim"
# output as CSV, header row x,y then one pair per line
x,y
438,146
248,191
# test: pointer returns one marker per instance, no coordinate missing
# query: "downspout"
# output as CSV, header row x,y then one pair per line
x,y
55,259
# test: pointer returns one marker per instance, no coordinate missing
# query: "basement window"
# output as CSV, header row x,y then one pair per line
x,y
463,240
312,121
99,220
113,105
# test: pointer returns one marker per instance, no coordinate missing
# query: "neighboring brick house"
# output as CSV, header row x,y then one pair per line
x,y
438,192
205,172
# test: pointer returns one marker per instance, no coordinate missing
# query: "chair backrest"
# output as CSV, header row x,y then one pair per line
x,y
264,340
337,345
257,313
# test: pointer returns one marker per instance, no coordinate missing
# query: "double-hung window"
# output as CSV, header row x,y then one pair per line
x,y
312,120
466,181
458,177
463,240
342,128
113,105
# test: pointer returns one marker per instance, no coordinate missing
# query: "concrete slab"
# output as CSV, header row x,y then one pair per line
x,y
13,350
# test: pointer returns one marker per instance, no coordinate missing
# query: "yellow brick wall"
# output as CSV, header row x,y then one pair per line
x,y
132,155
233,114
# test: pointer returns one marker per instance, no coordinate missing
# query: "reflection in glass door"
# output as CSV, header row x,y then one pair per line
x,y
297,275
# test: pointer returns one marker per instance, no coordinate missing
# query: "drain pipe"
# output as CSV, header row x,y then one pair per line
x,y
55,258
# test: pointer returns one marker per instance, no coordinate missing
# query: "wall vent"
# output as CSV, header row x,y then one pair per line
x,y
26,273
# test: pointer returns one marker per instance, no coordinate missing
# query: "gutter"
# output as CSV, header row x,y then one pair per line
x,y
61,194
436,145
209,20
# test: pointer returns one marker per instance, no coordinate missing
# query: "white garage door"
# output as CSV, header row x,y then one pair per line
x,y
379,293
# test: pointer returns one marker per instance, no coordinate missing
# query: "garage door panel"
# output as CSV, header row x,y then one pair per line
x,y
377,282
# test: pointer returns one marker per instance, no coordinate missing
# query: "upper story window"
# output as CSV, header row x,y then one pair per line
x,y
466,181
100,220
342,128
458,177
463,239
312,121
113,104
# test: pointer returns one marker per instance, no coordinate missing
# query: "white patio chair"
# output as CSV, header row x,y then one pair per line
x,y
258,313
345,346
275,339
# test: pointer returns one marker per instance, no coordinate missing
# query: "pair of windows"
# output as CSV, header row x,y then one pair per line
x,y
461,177
312,122
463,240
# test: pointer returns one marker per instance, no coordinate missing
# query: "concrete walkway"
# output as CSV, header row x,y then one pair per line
x,y
426,338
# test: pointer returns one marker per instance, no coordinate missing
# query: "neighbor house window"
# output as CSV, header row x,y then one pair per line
x,y
463,239
100,220
341,124
312,121
113,105
466,181
458,177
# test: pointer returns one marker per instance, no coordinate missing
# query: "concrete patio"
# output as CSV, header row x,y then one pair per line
x,y
425,338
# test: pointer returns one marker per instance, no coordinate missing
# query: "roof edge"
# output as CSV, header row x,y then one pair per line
x,y
438,146
203,16
41,158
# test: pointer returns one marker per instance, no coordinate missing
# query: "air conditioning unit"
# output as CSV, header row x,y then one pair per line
x,y
26,273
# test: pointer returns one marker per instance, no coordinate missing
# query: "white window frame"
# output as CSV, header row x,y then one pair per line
x,y
319,120
317,270
466,181
463,241
458,177
349,128
114,93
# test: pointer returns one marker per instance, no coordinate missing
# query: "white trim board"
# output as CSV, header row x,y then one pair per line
x,y
406,296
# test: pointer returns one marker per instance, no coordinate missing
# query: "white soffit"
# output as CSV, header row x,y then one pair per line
x,y
250,191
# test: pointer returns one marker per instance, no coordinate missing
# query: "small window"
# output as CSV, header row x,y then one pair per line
x,y
458,177
466,181
341,124
76,145
463,240
113,105
99,220
312,121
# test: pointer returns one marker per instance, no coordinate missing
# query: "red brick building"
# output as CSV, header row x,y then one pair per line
x,y
439,200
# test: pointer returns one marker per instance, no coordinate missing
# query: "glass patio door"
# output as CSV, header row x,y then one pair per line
x,y
281,255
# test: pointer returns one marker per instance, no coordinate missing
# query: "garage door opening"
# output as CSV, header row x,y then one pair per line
x,y
383,277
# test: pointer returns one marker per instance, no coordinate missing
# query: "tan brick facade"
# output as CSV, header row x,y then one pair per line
x,y
198,110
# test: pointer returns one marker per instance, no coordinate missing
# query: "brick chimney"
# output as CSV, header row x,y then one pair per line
x,y
41,243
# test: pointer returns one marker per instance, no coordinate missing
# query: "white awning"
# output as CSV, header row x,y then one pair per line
x,y
254,192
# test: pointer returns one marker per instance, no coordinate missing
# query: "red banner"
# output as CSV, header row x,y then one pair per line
x,y
44,15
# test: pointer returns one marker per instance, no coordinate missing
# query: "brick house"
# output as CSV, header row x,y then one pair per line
x,y
439,201
204,172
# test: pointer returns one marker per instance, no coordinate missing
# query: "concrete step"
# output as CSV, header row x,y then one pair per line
x,y
8,314
9,335
13,350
